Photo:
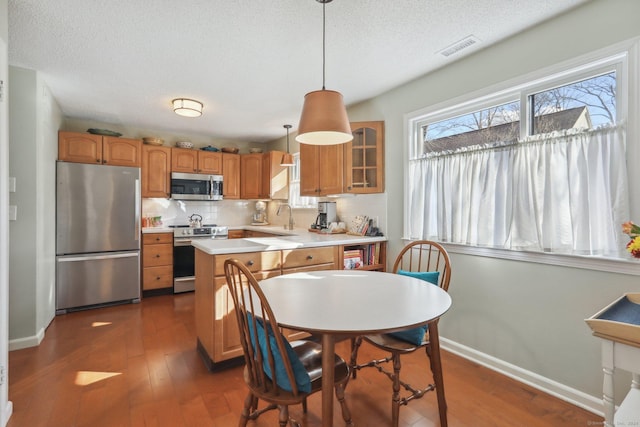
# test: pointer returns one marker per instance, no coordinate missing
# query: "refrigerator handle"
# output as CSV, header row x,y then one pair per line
x,y
97,257
137,217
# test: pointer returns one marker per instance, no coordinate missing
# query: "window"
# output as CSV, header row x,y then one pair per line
x,y
586,104
295,199
537,167
494,125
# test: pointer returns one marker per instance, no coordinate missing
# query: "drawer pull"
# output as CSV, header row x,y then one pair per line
x,y
157,239
157,255
250,262
158,278
309,256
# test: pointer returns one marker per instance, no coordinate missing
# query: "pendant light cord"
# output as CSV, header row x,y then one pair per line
x,y
323,42
287,127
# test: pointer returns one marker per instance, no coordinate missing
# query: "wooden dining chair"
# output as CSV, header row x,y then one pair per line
x,y
276,371
428,261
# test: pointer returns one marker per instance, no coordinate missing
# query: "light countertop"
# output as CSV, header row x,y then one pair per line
x,y
275,229
296,238
146,230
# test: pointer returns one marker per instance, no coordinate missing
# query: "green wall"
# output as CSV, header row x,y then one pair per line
x,y
524,314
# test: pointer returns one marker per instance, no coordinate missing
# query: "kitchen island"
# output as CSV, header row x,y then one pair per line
x,y
291,251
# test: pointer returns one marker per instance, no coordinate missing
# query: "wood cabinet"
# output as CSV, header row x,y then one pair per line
x,y
230,176
78,147
251,176
275,178
156,171
253,233
262,177
157,261
373,256
354,167
216,325
310,259
364,158
321,169
236,234
196,161
210,162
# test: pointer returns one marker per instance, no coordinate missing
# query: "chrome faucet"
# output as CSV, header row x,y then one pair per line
x,y
290,214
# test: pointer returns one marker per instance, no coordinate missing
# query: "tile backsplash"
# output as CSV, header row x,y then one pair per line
x,y
240,212
372,205
177,212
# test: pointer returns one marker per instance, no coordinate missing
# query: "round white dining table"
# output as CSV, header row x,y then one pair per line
x,y
354,302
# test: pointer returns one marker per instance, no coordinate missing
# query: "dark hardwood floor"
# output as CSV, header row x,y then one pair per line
x,y
136,365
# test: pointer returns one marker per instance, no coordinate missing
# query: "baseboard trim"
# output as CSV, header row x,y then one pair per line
x,y
26,342
554,388
6,413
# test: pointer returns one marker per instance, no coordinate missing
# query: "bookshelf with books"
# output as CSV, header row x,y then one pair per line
x,y
366,256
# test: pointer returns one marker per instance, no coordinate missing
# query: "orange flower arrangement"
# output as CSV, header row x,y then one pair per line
x,y
633,231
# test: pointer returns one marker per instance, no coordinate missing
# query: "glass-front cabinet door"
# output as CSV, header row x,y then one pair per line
x,y
364,158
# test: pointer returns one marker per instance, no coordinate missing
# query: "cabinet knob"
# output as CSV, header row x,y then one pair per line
x,y
157,239
309,256
157,255
158,278
250,262
97,161
104,161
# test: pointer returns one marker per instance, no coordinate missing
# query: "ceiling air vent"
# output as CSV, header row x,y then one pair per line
x,y
459,45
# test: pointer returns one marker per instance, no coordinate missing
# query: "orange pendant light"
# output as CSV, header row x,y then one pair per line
x,y
324,119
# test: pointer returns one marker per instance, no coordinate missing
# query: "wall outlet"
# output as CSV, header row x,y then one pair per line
x,y
13,213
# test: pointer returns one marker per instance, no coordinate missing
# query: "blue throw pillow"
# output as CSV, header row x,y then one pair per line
x,y
416,335
302,378
427,276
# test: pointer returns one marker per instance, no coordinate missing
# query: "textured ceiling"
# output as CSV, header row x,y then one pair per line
x,y
250,62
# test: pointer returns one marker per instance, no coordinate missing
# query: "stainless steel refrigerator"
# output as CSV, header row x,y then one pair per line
x,y
97,235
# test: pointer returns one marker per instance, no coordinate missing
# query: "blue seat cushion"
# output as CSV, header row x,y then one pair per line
x,y
303,381
416,335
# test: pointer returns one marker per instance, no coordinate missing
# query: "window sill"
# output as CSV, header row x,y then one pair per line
x,y
631,267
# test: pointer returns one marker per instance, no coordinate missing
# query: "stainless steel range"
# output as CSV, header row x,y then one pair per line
x,y
184,253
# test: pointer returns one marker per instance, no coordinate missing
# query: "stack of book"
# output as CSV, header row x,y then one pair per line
x,y
359,225
352,259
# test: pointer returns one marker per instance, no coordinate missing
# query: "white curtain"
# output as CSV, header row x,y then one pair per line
x,y
565,193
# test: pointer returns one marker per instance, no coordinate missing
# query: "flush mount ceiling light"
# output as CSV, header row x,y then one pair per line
x,y
287,158
187,107
324,119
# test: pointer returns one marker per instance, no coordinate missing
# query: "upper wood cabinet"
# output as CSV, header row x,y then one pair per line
x,y
354,167
230,176
262,177
321,169
81,147
251,176
210,162
156,171
275,178
364,158
196,161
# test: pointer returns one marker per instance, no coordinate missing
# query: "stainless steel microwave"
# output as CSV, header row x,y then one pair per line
x,y
194,186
